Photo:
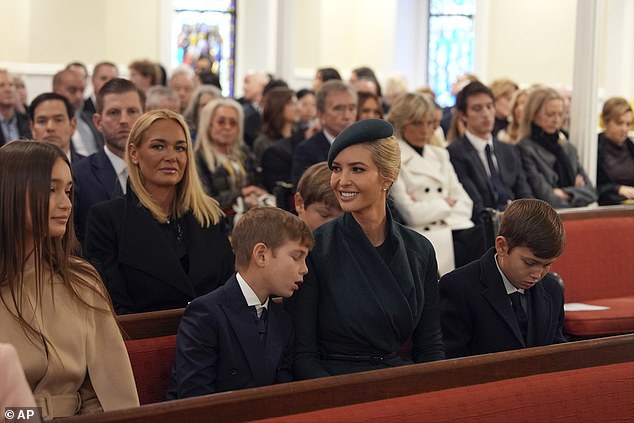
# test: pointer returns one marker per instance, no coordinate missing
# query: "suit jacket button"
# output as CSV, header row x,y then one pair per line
x,y
427,189
439,189
234,372
426,228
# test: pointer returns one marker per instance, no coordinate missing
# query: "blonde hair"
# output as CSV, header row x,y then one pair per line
x,y
409,108
512,131
189,191
614,108
535,101
502,86
387,156
204,142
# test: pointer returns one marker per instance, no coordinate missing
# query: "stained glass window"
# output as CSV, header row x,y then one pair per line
x,y
206,29
451,41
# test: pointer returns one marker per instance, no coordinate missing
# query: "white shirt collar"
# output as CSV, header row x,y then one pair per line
x,y
249,295
120,167
330,138
479,143
510,288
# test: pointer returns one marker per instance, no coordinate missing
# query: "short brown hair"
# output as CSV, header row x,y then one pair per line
x,y
533,224
271,226
314,186
147,68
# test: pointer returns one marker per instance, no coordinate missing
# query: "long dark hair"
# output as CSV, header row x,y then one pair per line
x,y
273,111
25,183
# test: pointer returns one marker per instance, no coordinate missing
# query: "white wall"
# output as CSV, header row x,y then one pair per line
x,y
527,40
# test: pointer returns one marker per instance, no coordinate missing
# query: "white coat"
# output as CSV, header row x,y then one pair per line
x,y
420,193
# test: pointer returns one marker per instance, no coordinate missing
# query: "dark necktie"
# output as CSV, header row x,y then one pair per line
x,y
262,323
520,314
496,181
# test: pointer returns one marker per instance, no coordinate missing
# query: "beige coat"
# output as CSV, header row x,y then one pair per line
x,y
14,390
87,369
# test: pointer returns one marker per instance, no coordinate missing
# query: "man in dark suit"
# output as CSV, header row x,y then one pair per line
x,y
254,83
101,73
53,120
236,337
13,124
336,110
490,171
69,83
102,176
507,300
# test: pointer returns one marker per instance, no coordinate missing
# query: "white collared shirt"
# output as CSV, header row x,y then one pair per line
x,y
120,167
330,138
510,288
250,297
480,144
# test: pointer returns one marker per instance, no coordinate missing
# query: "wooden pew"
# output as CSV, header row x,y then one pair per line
x,y
151,324
337,391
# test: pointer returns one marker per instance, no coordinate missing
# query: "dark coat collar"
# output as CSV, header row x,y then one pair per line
x,y
539,310
262,359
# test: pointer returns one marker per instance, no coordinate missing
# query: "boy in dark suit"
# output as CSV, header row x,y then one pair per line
x,y
236,337
507,299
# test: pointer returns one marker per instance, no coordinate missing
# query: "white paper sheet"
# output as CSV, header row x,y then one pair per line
x,y
583,307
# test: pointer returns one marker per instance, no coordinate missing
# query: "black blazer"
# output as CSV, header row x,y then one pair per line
x,y
252,123
277,162
24,128
307,153
606,186
475,179
477,316
138,264
95,181
218,347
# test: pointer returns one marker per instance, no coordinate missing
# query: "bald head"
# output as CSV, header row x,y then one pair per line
x,y
71,85
254,83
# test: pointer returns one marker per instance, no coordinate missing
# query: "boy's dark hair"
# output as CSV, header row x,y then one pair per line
x,y
471,89
271,226
118,86
533,224
314,186
304,91
70,111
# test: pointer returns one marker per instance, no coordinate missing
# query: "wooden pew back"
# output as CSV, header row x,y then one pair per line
x,y
304,396
151,324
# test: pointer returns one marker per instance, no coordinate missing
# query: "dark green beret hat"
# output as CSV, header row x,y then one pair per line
x,y
363,131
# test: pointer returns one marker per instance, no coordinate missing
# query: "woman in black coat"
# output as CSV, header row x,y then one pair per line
x,y
615,166
163,243
372,283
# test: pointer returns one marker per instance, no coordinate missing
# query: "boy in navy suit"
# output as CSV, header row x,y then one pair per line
x,y
236,337
507,299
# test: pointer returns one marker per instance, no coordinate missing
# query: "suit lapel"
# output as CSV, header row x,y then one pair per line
x,y
243,321
539,316
474,158
106,175
275,342
495,293
140,230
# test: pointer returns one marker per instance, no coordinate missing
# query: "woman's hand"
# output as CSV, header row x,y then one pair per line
x,y
561,193
451,201
579,182
626,191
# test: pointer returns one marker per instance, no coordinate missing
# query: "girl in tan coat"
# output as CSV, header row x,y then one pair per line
x,y
53,306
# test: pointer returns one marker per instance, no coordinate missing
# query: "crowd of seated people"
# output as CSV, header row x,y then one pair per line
x,y
166,206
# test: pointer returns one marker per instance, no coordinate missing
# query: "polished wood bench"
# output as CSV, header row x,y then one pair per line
x,y
337,391
151,324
